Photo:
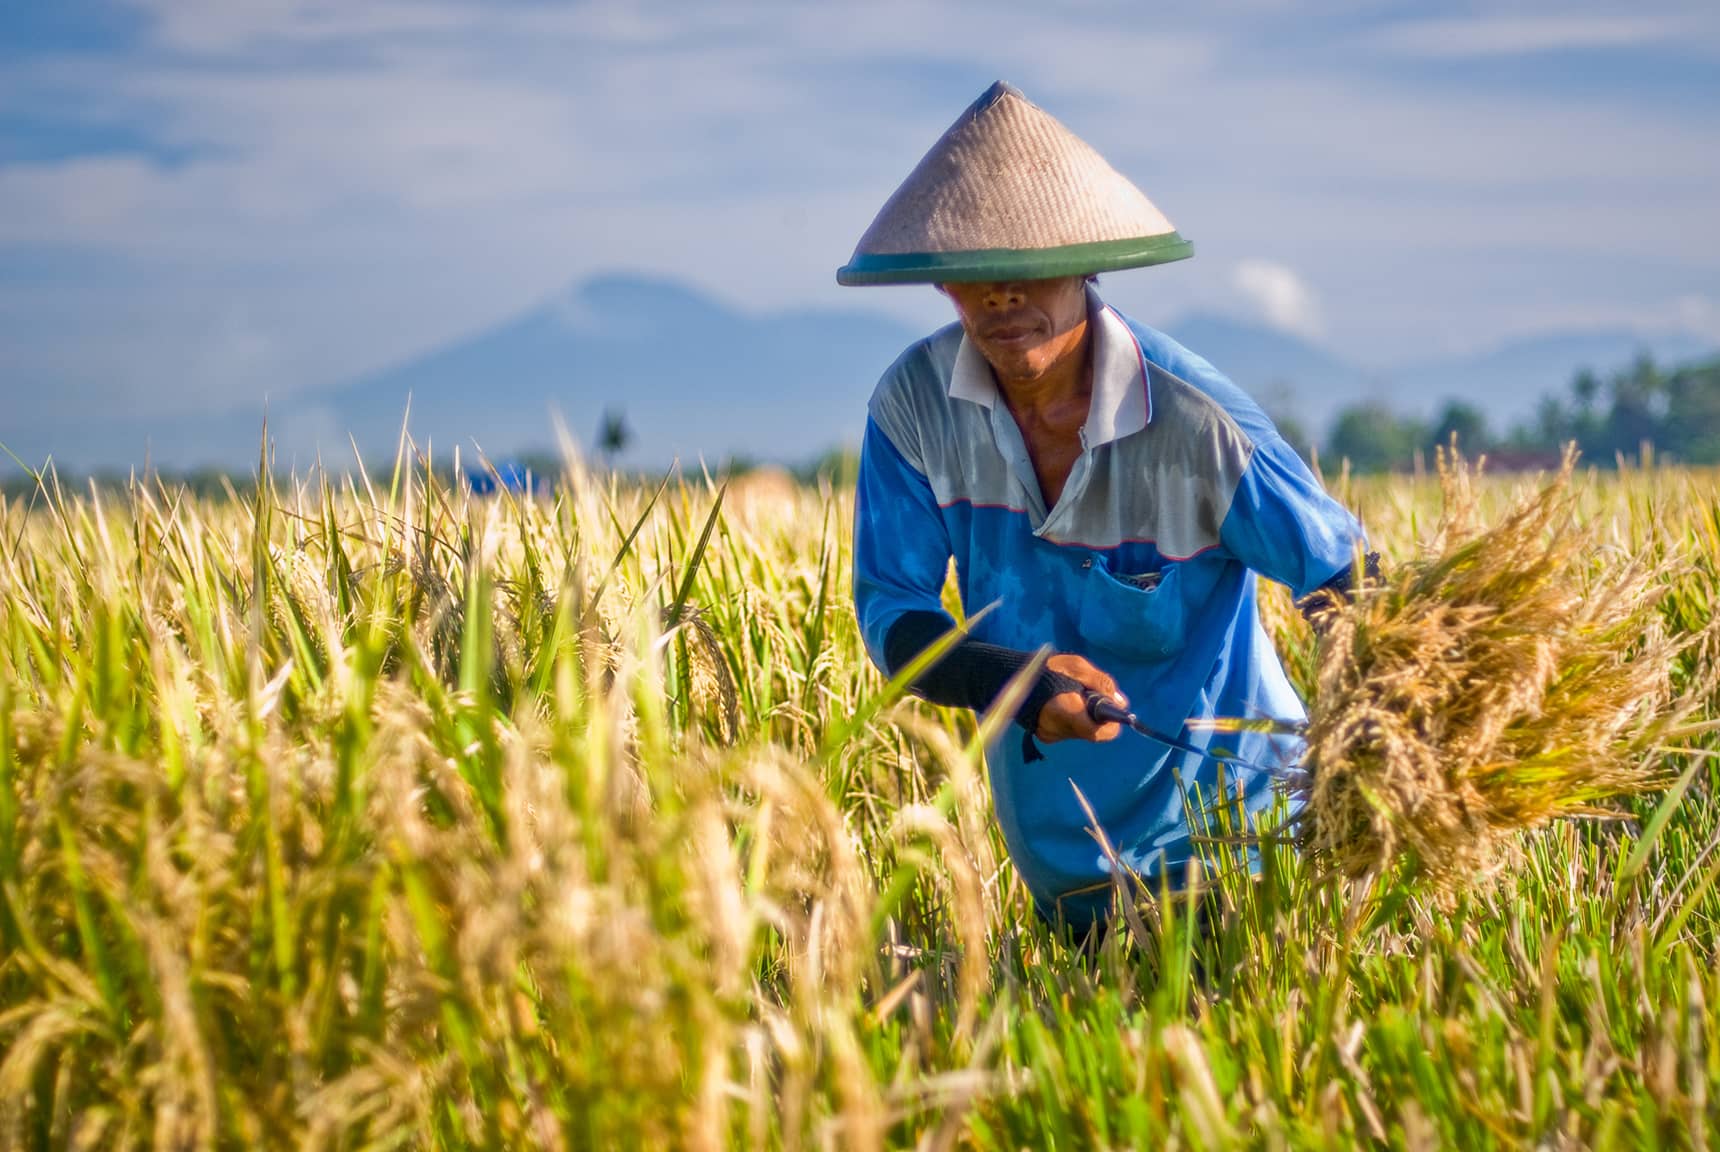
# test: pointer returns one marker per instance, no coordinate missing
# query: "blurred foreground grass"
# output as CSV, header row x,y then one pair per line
x,y
357,817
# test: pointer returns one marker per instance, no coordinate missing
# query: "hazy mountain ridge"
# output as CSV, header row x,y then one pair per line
x,y
691,376
696,379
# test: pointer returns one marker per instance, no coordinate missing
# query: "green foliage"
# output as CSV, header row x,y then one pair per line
x,y
1375,439
1673,412
613,434
1461,424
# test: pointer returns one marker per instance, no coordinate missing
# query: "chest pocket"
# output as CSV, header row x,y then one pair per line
x,y
1142,616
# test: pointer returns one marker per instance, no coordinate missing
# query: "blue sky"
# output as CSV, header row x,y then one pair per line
x,y
206,201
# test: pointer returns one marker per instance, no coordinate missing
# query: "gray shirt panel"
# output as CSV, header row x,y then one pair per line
x,y
1171,483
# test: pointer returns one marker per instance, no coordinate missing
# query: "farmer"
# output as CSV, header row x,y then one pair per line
x,y
1105,490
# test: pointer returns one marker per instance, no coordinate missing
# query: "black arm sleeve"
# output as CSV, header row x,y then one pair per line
x,y
971,674
1338,590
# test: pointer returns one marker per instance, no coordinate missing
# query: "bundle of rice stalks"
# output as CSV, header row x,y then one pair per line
x,y
1514,674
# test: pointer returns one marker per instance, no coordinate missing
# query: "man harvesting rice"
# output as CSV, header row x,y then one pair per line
x,y
1110,491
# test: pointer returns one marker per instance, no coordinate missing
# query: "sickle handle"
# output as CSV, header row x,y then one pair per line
x,y
1105,711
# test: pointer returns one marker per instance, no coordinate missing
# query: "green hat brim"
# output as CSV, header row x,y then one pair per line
x,y
1013,263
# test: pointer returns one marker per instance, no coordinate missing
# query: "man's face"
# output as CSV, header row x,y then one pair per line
x,y
1022,327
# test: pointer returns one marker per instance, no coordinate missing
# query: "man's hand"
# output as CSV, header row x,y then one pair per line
x,y
1064,716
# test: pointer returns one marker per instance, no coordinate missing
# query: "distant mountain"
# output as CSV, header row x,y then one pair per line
x,y
694,378
689,376
1289,376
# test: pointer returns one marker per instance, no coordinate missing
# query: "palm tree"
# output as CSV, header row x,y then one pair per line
x,y
612,435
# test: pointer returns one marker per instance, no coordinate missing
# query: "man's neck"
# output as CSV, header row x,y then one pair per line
x,y
1067,383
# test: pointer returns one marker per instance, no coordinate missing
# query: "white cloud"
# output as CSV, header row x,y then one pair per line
x,y
365,181
1519,36
1699,315
219,27
1691,315
1280,297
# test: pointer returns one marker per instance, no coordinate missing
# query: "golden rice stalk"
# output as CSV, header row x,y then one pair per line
x,y
1514,674
713,685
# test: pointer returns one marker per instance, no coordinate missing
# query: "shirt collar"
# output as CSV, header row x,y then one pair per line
x,y
1120,405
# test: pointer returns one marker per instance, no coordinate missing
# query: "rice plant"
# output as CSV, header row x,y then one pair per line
x,y
364,813
1517,671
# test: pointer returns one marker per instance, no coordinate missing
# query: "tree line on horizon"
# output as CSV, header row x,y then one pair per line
x,y
1642,410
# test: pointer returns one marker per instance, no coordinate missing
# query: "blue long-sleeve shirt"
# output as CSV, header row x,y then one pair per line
x,y
1145,565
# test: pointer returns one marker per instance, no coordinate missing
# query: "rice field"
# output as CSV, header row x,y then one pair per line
x,y
368,814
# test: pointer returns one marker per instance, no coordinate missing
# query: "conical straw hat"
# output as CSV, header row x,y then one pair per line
x,y
1008,193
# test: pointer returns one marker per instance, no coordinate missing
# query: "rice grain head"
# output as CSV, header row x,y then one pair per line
x,y
1511,675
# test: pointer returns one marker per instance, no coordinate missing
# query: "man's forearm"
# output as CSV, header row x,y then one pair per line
x,y
971,674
